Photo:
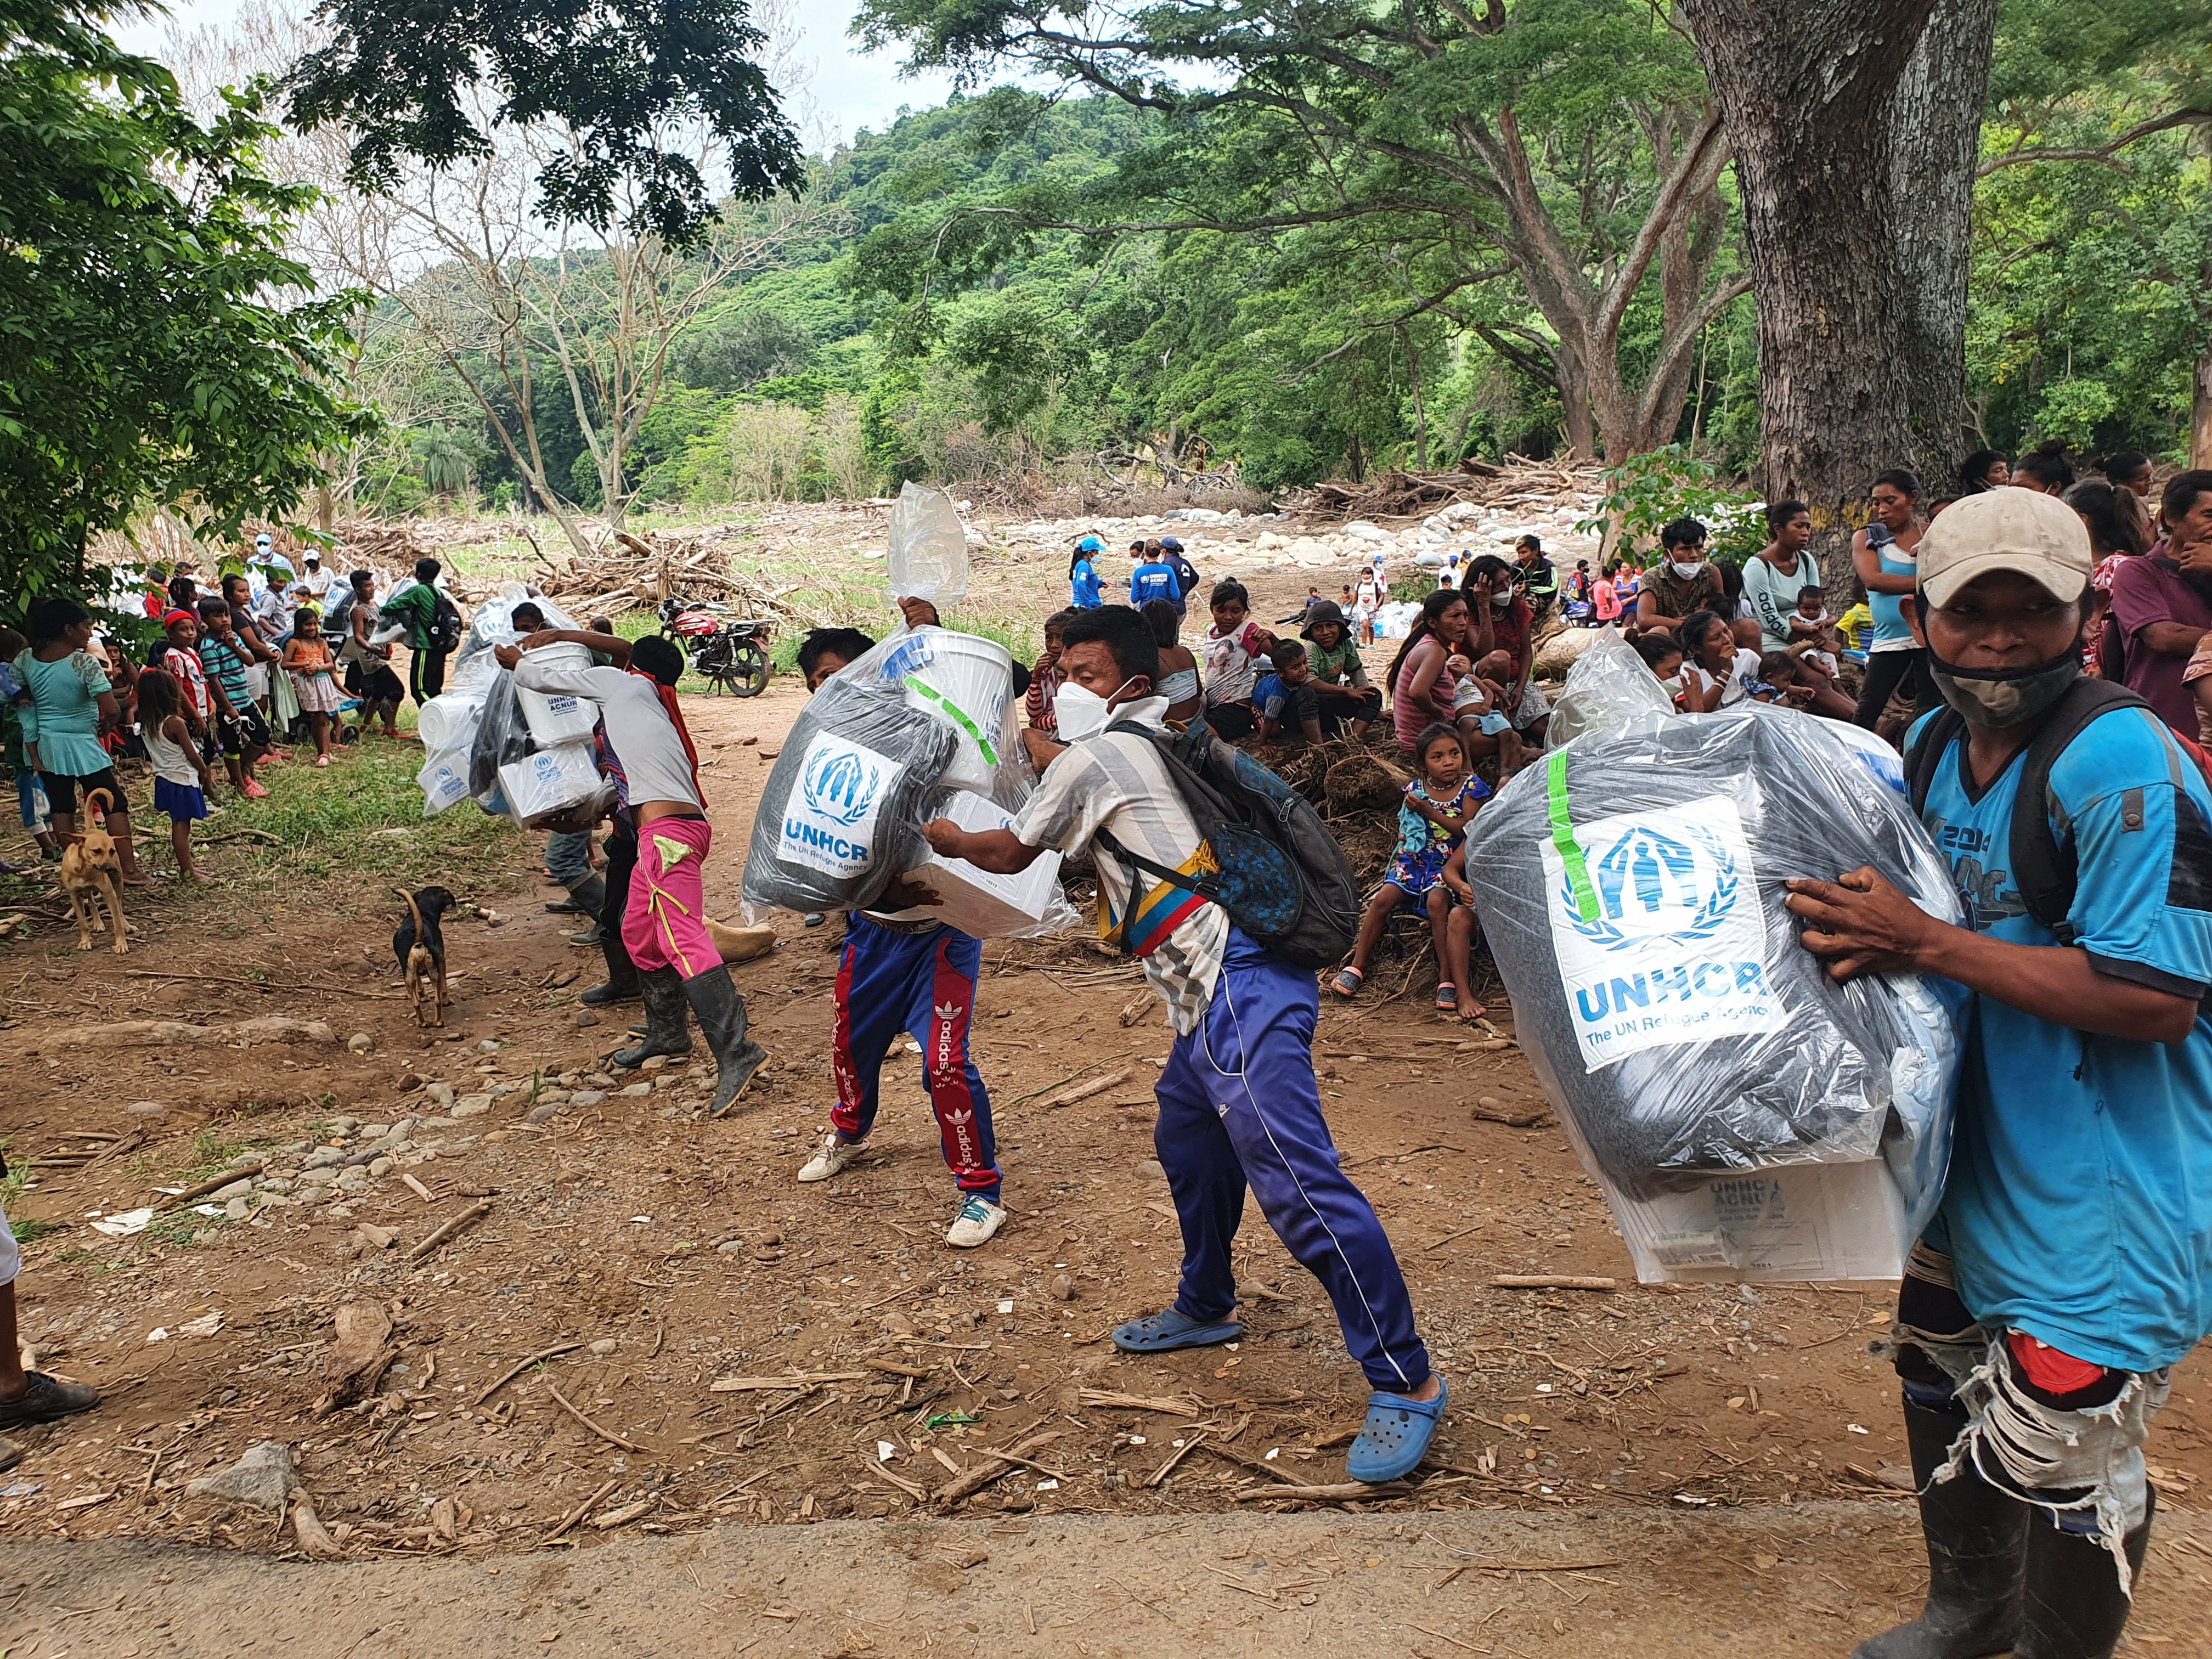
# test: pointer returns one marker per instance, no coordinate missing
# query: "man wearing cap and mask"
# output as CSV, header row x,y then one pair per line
x,y
1238,1103
2070,1265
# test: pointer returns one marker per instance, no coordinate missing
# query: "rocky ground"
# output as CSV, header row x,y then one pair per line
x,y
610,1327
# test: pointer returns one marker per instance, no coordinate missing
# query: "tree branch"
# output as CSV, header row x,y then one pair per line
x,y
2103,154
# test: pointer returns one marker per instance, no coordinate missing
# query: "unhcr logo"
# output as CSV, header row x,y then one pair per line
x,y
1655,886
840,786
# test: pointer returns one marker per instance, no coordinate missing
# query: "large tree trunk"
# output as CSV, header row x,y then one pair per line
x,y
1854,124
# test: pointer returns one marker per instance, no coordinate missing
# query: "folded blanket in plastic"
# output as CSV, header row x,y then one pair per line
x,y
1748,1116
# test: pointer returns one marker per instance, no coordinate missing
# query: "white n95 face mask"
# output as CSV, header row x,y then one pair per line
x,y
1081,714
1688,572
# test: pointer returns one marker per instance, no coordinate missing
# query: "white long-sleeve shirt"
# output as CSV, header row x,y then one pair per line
x,y
645,744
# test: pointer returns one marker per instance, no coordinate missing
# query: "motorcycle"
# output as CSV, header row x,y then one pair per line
x,y
730,654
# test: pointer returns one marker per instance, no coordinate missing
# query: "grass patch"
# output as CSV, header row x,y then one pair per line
x,y
212,1152
363,815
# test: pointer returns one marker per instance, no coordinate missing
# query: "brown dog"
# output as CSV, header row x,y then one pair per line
x,y
91,874
420,944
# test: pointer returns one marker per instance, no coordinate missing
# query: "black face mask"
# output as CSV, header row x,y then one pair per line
x,y
2004,697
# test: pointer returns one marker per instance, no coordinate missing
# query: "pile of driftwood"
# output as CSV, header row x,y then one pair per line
x,y
1400,495
636,571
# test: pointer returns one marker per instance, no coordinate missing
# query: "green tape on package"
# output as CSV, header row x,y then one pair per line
x,y
1563,837
958,716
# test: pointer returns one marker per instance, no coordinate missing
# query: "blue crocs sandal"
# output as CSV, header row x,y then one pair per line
x,y
1396,1436
1162,1331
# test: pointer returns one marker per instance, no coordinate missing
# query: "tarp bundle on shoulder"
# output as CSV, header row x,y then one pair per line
x,y
1749,1117
842,810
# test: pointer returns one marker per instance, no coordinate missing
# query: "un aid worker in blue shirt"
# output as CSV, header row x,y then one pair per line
x,y
2078,1205
1155,579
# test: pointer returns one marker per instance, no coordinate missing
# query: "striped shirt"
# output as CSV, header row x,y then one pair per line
x,y
1117,783
226,669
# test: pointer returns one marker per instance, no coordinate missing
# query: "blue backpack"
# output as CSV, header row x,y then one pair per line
x,y
1285,882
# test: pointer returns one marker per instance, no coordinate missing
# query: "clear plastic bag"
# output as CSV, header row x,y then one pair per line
x,y
865,766
493,625
502,738
928,547
1608,684
840,813
1748,1118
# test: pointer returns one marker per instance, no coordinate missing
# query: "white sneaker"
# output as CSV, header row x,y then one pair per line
x,y
979,1219
832,1156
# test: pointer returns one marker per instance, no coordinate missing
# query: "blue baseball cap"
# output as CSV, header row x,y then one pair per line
x,y
1091,544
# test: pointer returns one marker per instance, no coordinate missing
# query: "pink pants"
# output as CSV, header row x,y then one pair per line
x,y
664,924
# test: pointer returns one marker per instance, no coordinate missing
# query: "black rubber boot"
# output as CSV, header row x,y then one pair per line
x,y
1976,1539
589,895
668,1028
2074,1608
622,978
722,1011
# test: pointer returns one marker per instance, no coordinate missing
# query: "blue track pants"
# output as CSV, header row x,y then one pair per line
x,y
1239,1106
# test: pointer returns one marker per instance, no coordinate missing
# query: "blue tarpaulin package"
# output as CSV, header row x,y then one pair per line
x,y
1749,1118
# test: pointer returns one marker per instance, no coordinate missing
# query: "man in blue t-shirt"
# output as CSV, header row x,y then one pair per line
x,y
1154,578
2071,1263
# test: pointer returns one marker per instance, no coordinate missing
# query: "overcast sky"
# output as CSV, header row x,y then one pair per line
x,y
849,90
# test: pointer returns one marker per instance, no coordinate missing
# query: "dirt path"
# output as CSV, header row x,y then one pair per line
x,y
661,1253
1810,1580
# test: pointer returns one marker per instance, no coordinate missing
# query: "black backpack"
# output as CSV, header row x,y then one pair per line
x,y
2044,869
446,627
1284,881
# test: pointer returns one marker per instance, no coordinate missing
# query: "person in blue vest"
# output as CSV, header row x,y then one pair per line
x,y
1154,578
2070,1265
1082,574
903,973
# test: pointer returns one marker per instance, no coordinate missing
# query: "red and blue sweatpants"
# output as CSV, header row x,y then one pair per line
x,y
923,984
1239,1107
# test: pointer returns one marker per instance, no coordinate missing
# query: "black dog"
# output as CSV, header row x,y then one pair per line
x,y
420,947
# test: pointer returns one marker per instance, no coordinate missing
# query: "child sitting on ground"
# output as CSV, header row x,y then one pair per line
x,y
1797,678
313,667
1459,934
1664,657
1178,668
1432,819
1286,700
1044,678
181,779
1234,646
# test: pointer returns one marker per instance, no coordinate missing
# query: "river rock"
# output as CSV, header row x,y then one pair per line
x,y
263,1478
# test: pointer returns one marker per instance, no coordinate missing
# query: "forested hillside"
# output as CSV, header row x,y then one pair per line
x,y
1010,281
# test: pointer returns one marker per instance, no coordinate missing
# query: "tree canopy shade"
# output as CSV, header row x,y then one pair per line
x,y
620,75
1560,145
145,349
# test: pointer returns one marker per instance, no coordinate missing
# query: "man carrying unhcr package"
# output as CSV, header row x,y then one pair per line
x,y
1238,1102
2071,1263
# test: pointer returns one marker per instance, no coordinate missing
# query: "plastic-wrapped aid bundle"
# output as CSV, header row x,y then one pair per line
x,y
842,810
1750,1118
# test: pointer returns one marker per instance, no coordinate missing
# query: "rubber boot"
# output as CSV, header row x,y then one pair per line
x,y
2073,1609
1976,1539
621,984
721,1013
668,1029
589,895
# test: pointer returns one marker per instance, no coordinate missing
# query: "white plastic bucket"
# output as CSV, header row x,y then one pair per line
x,y
554,720
449,720
967,683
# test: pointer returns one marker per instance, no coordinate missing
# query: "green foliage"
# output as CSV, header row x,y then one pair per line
x,y
1647,493
407,80
157,340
